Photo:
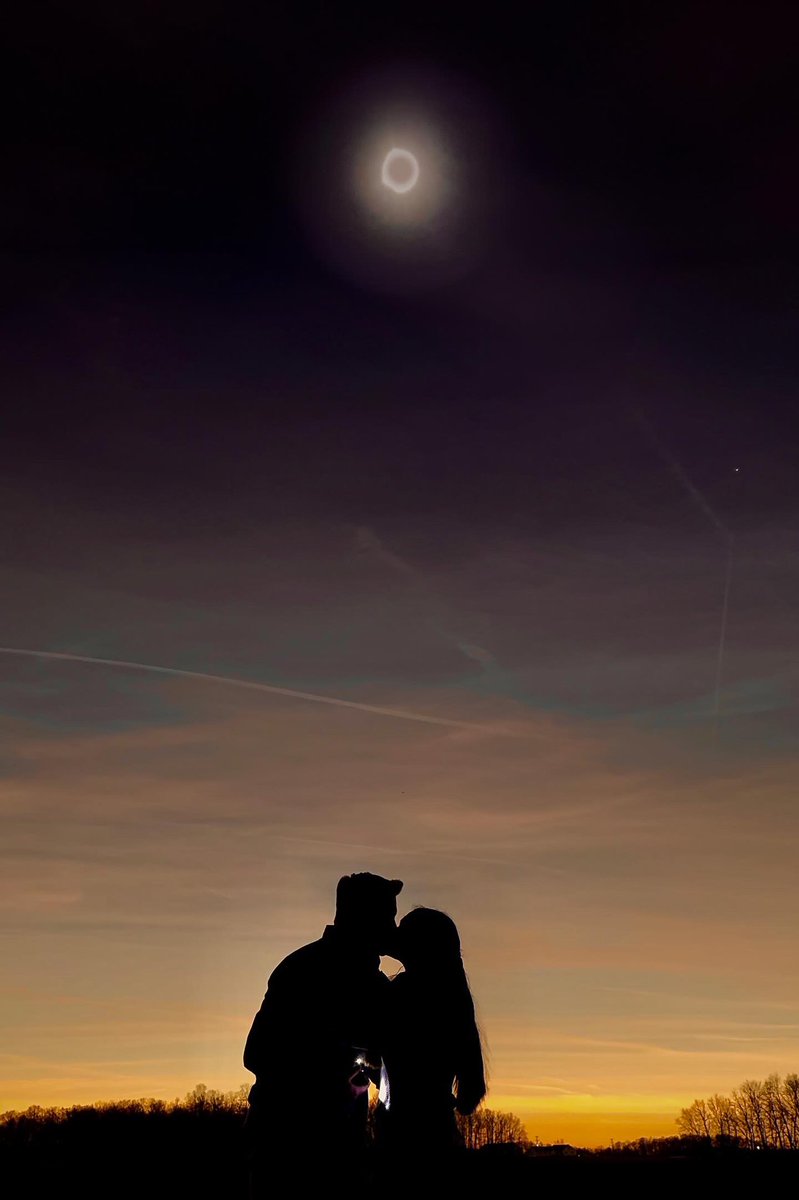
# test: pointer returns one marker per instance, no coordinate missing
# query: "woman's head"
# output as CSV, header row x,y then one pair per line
x,y
428,940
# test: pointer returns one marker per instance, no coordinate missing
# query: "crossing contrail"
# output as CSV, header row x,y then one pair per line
x,y
400,713
690,487
715,520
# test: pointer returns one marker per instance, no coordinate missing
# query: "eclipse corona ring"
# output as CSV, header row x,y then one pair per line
x,y
400,170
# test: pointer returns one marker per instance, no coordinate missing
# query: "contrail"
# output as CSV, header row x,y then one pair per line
x,y
401,713
668,458
717,523
367,541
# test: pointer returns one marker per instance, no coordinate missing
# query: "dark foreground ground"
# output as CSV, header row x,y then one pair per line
x,y
130,1176
590,1177
203,1159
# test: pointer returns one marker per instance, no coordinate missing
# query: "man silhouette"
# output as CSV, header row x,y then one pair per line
x,y
313,1041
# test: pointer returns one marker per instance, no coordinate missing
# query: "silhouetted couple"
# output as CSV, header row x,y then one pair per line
x,y
331,1022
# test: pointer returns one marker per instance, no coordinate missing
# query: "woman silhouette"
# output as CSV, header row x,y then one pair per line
x,y
433,1061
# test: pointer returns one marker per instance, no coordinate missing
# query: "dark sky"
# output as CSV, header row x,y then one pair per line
x,y
642,190
482,468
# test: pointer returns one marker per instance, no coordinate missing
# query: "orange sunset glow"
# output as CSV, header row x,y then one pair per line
x,y
626,953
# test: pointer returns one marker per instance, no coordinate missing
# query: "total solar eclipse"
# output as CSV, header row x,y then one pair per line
x,y
400,170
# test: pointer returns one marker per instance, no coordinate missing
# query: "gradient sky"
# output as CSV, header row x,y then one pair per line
x,y
483,478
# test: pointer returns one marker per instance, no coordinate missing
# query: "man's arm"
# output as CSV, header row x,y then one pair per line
x,y
274,1029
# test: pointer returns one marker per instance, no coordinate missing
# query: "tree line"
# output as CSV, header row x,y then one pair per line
x,y
128,1148
200,1099
159,1148
485,1127
759,1116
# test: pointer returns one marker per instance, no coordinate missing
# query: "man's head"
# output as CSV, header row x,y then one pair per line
x,y
366,910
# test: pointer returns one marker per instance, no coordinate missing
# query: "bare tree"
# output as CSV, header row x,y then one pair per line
x,y
722,1117
488,1127
757,1114
752,1099
774,1112
695,1121
790,1097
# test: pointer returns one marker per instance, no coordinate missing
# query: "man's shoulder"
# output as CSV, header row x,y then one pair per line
x,y
306,958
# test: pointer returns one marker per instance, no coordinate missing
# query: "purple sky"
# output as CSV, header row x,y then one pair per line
x,y
474,469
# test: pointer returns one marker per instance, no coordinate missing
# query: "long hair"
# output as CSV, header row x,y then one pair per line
x,y
434,951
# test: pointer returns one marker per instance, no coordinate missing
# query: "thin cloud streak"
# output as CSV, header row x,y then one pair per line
x,y
272,689
368,542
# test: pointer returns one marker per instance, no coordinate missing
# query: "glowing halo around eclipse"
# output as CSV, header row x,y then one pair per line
x,y
409,161
395,180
